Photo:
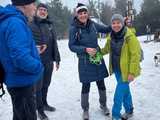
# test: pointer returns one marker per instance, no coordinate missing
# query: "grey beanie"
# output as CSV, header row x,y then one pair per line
x,y
118,17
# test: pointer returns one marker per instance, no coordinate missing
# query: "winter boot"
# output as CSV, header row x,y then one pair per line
x,y
45,103
85,101
42,115
126,116
85,105
85,115
49,108
105,110
102,100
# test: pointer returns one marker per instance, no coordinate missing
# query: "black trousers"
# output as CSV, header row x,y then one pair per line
x,y
38,93
41,87
23,102
47,75
86,86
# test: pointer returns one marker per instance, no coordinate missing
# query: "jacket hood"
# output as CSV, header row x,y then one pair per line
x,y
10,10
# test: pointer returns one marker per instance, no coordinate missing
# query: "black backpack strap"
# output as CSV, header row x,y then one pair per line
x,y
78,34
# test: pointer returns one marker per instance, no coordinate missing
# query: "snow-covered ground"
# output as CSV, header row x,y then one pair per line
x,y
65,89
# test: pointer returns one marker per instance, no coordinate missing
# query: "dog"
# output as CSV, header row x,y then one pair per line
x,y
157,59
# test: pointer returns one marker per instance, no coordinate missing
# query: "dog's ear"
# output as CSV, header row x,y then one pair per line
x,y
155,57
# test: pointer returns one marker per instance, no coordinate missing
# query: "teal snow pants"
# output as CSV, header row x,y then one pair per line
x,y
122,96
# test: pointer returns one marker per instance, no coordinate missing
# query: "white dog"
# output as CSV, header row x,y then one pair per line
x,y
157,59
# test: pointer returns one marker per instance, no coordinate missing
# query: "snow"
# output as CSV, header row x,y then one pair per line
x,y
64,92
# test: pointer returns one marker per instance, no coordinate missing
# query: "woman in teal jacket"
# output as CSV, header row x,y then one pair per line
x,y
124,50
83,40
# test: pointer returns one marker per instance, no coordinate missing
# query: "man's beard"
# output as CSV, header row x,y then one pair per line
x,y
43,17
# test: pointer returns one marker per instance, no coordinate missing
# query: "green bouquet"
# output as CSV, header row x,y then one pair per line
x,y
96,59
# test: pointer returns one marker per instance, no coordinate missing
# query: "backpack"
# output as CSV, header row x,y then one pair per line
x,y
2,77
141,54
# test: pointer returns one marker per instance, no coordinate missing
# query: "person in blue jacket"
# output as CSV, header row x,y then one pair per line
x,y
19,57
83,40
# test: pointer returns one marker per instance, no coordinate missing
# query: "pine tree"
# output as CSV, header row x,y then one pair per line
x,y
106,13
60,15
149,15
120,7
93,8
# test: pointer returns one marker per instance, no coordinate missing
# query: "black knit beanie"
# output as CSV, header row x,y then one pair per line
x,y
22,2
42,5
81,7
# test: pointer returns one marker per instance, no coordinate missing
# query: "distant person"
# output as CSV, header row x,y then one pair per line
x,y
124,50
129,24
46,41
83,40
148,30
19,57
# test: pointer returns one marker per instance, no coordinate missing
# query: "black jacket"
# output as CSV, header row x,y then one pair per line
x,y
44,33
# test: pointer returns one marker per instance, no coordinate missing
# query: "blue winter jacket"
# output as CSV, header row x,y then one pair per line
x,y
84,36
18,53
